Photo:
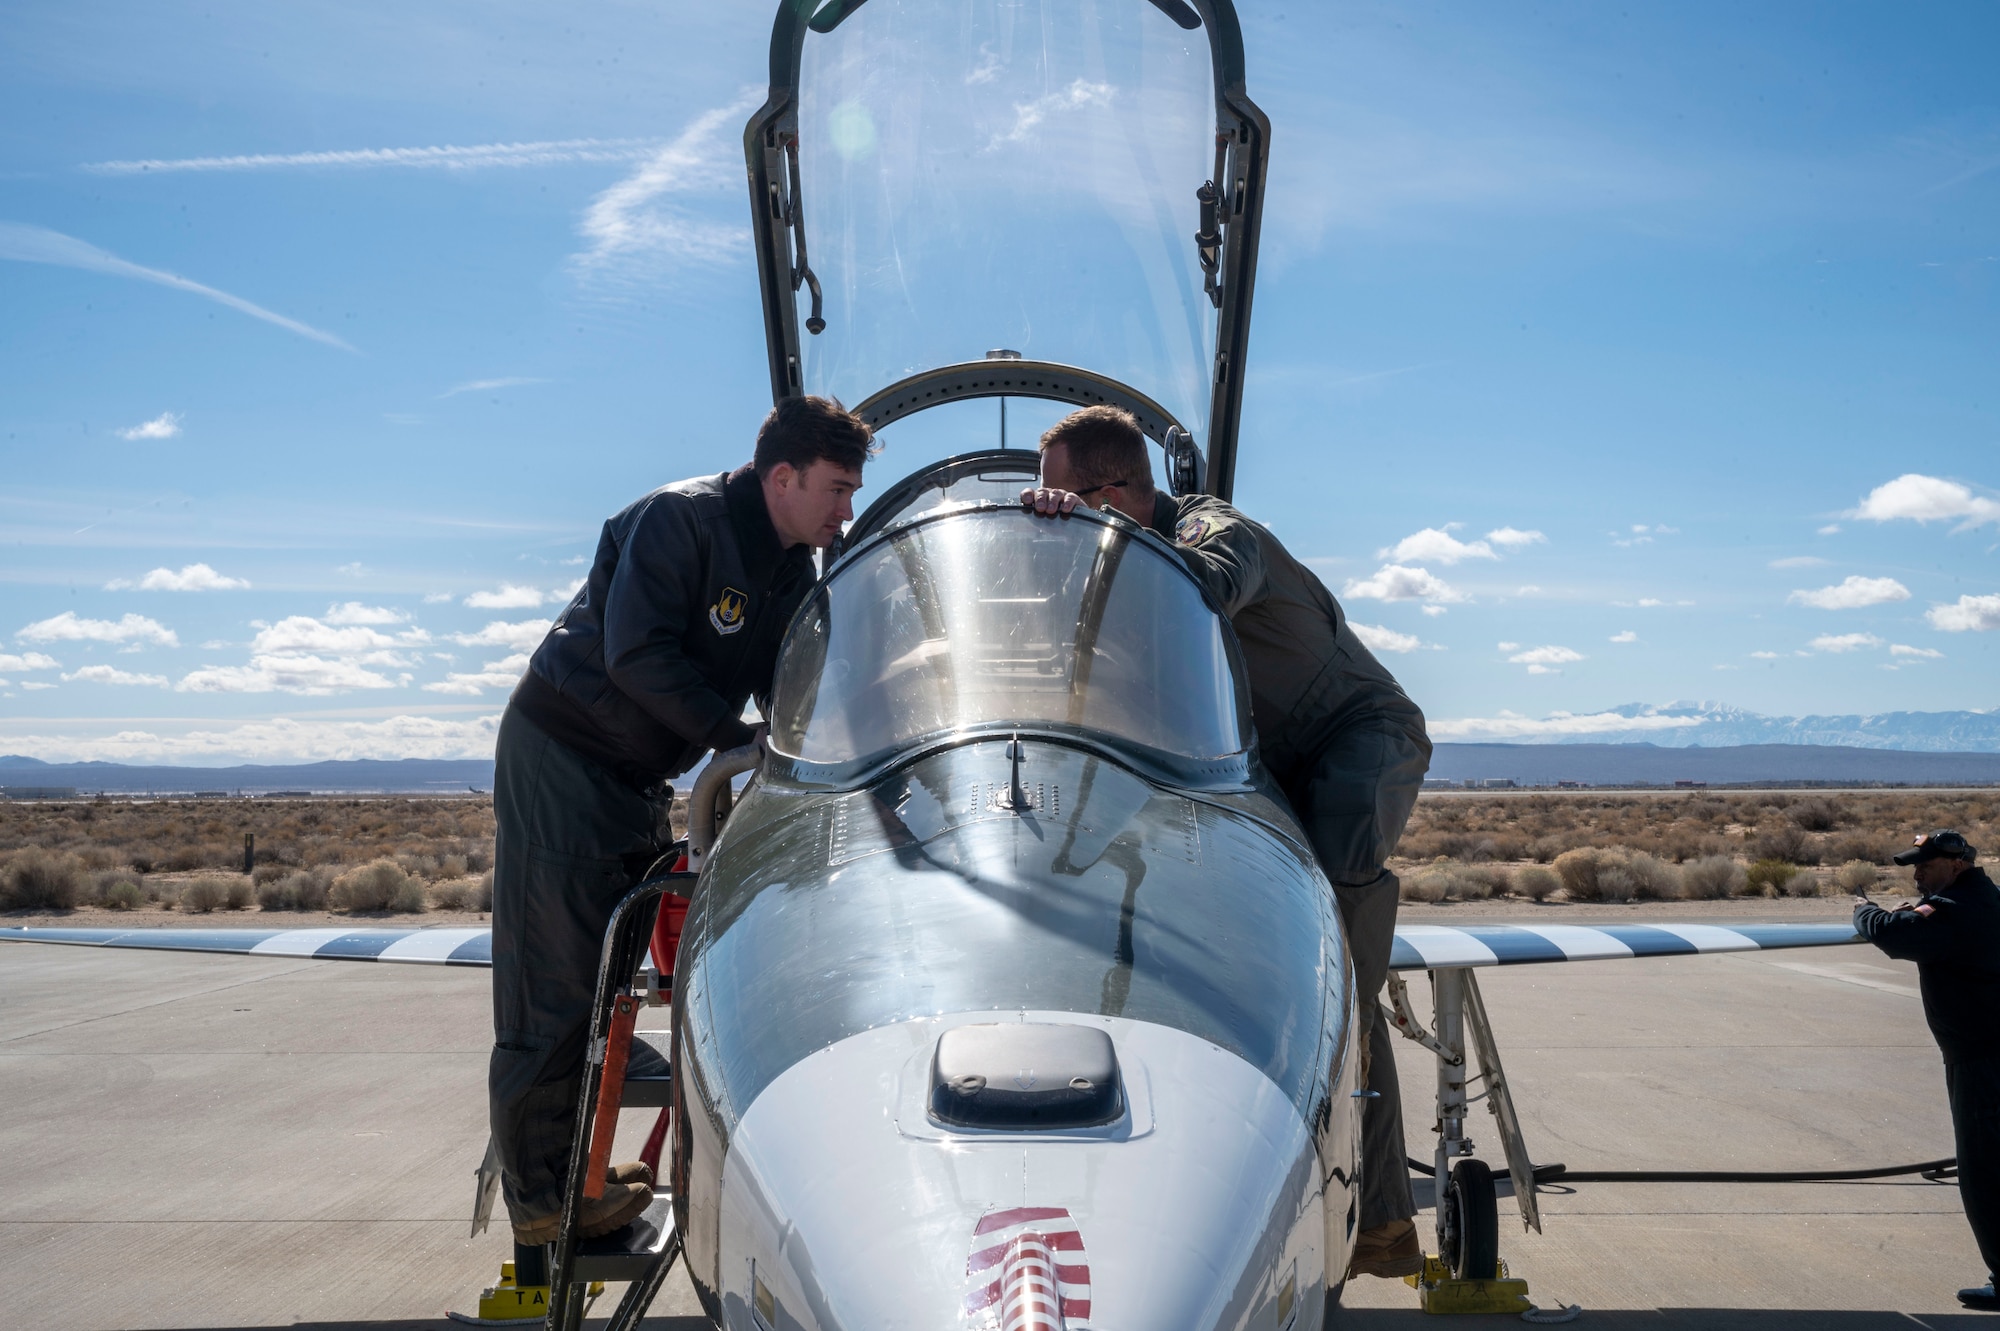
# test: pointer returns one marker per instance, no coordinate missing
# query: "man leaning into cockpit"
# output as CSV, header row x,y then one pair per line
x,y
645,671
1336,731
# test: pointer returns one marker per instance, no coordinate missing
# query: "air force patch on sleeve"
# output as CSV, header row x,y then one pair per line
x,y
727,614
1193,530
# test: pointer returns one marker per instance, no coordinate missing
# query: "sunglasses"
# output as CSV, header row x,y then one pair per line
x,y
1108,485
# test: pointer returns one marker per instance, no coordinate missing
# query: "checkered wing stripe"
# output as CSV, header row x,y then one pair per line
x,y
1026,1263
1426,946
435,947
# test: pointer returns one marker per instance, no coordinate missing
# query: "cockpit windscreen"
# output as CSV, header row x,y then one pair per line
x,y
988,618
1015,174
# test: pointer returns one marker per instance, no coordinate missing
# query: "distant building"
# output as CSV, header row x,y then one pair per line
x,y
1439,783
1497,783
211,794
1572,785
38,792
1690,785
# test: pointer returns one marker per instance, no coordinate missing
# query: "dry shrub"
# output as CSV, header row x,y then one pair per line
x,y
1655,879
301,889
482,896
1423,885
1616,882
453,866
1856,876
268,873
123,895
237,895
1768,877
1861,846
199,896
453,895
377,886
39,880
1711,878
1496,878
1787,842
1815,815
1535,882
1580,870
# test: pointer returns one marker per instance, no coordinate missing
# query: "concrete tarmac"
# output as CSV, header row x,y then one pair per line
x,y
211,1141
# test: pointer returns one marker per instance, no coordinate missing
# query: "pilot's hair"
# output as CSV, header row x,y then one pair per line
x,y
803,430
1105,444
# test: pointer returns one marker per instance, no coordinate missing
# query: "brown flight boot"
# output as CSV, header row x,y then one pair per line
x,y
621,1204
1387,1250
636,1172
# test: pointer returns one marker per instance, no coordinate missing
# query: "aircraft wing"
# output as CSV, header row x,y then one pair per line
x,y
434,947
1418,946
1428,946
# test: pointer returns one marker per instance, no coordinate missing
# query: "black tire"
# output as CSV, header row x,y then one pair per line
x,y
1470,1233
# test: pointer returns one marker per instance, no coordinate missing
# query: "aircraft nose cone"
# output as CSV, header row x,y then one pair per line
x,y
850,1207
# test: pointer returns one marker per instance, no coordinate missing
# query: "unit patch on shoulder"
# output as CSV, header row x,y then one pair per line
x,y
726,615
1194,529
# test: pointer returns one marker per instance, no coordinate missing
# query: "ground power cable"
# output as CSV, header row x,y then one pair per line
x,y
1937,1171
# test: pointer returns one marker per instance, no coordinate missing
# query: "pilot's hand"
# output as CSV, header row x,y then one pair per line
x,y
1048,503
1861,900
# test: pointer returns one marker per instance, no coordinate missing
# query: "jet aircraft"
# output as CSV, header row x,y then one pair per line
x,y
1010,994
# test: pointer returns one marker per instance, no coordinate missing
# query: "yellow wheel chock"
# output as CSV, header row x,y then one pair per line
x,y
509,1304
1437,1292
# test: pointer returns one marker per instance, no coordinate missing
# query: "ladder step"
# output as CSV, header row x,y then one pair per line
x,y
649,1082
628,1253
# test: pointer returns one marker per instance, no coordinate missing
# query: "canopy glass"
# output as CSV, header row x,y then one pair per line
x,y
1015,174
993,618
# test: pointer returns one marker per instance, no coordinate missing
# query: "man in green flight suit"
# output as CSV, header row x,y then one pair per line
x,y
1339,735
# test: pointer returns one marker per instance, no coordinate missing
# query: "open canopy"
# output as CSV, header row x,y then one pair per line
x,y
1074,182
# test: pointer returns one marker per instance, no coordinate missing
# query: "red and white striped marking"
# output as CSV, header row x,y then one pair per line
x,y
1027,1272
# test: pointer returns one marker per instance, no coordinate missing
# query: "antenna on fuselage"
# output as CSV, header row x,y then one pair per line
x,y
1017,794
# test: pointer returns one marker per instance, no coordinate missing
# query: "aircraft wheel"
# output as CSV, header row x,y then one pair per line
x,y
1469,1222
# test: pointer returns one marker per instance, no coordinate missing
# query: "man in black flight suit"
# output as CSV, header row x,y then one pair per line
x,y
1342,739
1952,932
648,669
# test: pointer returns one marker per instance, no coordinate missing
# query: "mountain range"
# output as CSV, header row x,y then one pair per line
x,y
1711,725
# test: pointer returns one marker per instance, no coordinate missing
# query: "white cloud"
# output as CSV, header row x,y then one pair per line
x,y
1514,539
104,674
449,157
1378,639
35,684
1926,499
1395,582
1545,660
436,598
1434,610
1853,594
313,676
1830,529
1437,545
1029,115
1844,642
163,426
634,224
1627,636
303,655
1799,561
1509,726
1527,589
511,597
30,661
1510,646
504,674
488,385
191,578
34,244
1978,614
353,612
523,636
285,740
353,570
1765,656
1918,653
67,627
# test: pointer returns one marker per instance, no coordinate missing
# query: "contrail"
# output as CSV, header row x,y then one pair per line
x,y
34,244
450,157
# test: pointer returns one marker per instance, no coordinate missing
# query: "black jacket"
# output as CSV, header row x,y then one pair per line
x,y
1954,937
676,628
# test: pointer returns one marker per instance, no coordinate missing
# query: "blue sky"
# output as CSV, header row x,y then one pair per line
x,y
301,444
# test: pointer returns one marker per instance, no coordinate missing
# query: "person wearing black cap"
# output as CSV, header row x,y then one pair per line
x,y
1952,932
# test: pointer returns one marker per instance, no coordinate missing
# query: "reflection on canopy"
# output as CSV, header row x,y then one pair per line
x,y
992,618
1008,173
